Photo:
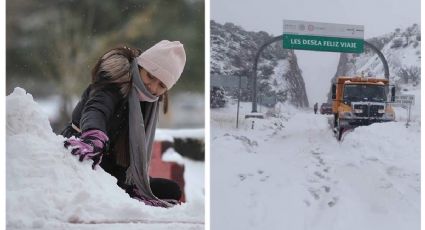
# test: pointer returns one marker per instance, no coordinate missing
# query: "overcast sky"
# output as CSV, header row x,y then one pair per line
x,y
377,16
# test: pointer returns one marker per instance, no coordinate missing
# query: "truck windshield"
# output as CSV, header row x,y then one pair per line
x,y
373,93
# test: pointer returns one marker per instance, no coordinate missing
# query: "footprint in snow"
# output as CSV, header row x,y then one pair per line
x,y
327,188
315,152
246,140
320,175
321,161
264,178
333,201
242,177
314,193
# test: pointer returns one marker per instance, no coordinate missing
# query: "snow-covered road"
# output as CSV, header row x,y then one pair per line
x,y
290,172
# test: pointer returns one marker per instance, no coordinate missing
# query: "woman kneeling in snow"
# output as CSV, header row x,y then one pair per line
x,y
115,120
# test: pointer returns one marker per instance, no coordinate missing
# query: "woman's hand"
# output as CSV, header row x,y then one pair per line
x,y
92,144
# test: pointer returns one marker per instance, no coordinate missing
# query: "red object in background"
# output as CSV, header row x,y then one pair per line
x,y
326,108
167,170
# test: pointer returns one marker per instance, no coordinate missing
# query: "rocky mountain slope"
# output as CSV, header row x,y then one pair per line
x,y
401,48
232,54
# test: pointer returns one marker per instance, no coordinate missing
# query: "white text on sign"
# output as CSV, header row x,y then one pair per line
x,y
313,42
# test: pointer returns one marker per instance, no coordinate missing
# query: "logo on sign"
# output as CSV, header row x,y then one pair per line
x,y
310,27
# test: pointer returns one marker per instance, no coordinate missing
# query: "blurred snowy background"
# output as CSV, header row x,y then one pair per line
x,y
52,45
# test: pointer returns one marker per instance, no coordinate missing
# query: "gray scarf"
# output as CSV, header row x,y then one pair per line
x,y
141,136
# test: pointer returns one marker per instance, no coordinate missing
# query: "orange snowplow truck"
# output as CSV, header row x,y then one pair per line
x,y
360,101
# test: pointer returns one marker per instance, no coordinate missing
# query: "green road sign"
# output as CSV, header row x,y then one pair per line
x,y
322,43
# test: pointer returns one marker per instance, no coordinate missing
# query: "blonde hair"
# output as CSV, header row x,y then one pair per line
x,y
114,67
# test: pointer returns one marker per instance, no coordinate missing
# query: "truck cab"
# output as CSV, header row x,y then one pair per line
x,y
360,101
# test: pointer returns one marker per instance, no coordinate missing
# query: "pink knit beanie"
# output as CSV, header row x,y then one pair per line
x,y
165,60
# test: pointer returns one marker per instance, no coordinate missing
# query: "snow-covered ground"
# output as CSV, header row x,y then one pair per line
x,y
48,188
290,172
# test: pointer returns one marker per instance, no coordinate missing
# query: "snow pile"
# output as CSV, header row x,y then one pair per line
x,y
48,188
170,134
290,172
172,156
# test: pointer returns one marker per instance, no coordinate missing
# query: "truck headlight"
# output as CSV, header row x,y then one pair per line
x,y
381,110
347,114
389,116
358,110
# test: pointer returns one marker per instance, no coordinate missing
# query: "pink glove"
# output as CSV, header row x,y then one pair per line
x,y
92,144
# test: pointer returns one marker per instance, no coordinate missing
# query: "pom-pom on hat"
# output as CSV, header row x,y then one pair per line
x,y
165,60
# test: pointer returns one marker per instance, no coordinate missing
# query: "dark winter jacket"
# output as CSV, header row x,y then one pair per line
x,y
105,109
